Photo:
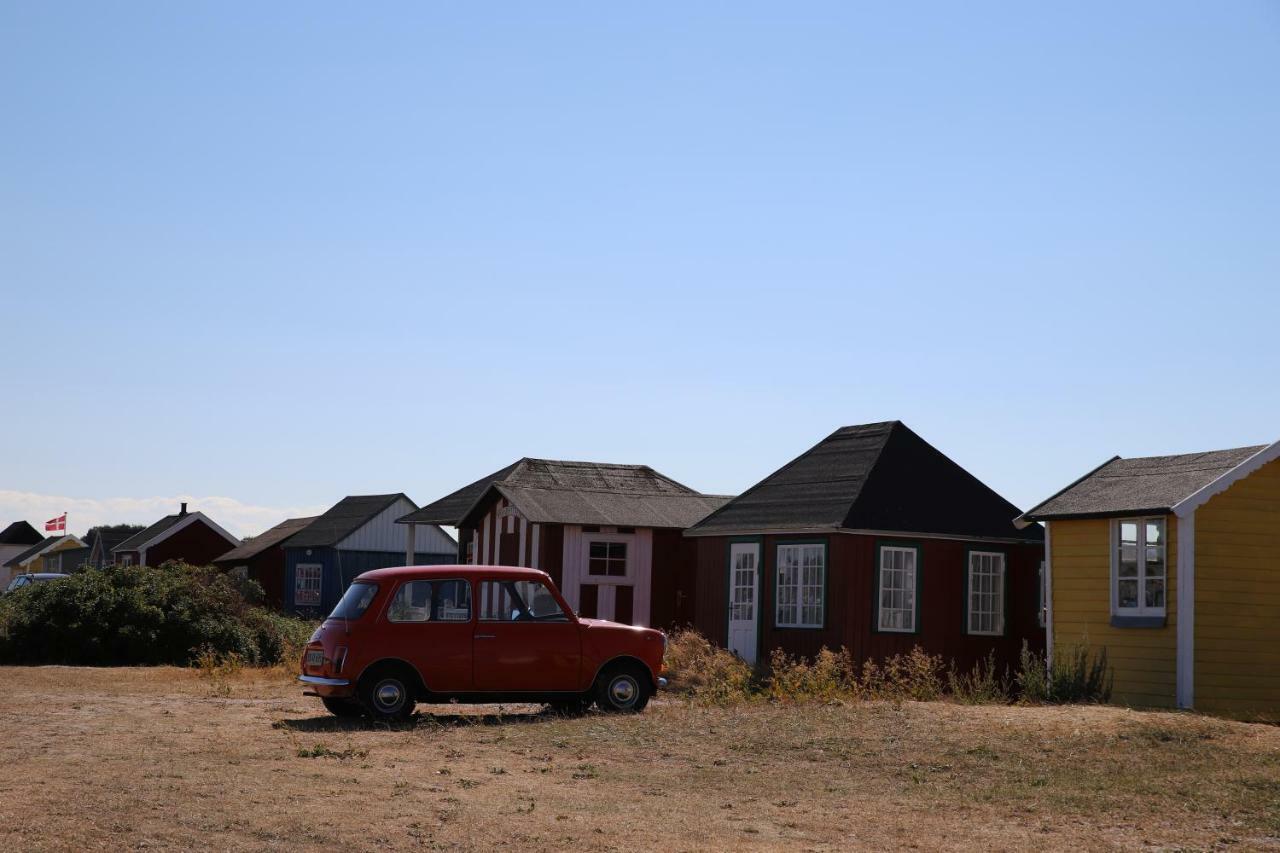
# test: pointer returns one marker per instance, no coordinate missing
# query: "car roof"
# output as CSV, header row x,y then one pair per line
x,y
47,576
453,571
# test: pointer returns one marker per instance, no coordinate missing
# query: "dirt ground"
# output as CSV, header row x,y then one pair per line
x,y
168,758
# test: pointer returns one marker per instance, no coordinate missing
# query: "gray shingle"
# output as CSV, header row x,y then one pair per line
x,y
879,476
251,548
1141,484
341,520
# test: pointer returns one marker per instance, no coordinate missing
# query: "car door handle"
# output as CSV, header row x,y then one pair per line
x,y
486,636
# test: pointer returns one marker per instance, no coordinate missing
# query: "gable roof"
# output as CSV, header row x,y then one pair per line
x,y
251,548
108,541
146,534
167,526
1147,484
554,491
41,547
342,519
20,533
881,477
451,508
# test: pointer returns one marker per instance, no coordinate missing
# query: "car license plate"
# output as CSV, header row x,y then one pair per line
x,y
315,659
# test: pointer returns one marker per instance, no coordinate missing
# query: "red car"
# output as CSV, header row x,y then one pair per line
x,y
473,634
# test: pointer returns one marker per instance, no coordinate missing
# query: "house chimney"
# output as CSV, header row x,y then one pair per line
x,y
184,509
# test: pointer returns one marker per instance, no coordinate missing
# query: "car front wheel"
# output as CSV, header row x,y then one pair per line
x,y
622,689
386,696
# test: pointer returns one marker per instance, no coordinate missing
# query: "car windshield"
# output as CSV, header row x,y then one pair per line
x,y
355,601
19,581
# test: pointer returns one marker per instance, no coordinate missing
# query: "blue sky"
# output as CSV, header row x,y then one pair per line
x,y
278,255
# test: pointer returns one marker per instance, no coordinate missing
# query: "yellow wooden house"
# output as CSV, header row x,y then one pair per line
x,y
41,557
1172,564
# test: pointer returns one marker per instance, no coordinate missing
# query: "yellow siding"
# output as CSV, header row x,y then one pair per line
x,y
1237,642
1143,660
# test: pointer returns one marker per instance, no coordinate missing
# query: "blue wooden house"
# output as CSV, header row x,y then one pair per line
x,y
357,534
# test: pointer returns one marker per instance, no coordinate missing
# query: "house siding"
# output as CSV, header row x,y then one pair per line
x,y
340,567
1237,583
197,543
1143,660
849,609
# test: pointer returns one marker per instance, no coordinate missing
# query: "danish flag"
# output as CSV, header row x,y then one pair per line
x,y
56,524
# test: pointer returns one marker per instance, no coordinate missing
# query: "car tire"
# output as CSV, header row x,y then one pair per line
x,y
623,689
347,709
386,695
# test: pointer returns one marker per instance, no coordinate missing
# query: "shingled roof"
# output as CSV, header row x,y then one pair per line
x,y
452,507
1148,484
342,519
254,546
39,547
549,491
880,477
145,535
20,533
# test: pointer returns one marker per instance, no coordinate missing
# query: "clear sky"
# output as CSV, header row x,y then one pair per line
x,y
278,253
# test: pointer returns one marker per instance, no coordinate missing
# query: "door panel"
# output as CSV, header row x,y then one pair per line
x,y
524,647
430,624
744,599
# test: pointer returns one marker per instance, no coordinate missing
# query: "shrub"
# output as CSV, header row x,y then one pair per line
x,y
1073,676
916,675
707,674
829,676
143,615
982,685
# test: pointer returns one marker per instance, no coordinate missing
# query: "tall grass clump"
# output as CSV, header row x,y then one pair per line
x,y
1073,676
170,614
705,673
985,684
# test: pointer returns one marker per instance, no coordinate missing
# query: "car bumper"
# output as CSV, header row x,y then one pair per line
x,y
329,688
317,681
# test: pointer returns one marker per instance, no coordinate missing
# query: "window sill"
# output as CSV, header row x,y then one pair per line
x,y
1138,621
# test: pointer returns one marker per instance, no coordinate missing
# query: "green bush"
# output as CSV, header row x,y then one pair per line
x,y
144,615
1073,676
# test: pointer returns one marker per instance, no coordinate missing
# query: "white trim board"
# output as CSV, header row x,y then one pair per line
x,y
1186,613
172,529
1225,481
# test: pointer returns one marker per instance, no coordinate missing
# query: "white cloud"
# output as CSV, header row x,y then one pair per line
x,y
238,518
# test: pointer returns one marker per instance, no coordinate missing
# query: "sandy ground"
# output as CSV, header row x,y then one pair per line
x,y
167,758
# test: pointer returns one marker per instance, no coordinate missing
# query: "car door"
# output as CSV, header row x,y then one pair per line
x,y
525,640
429,623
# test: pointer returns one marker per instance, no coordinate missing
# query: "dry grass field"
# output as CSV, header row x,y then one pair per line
x,y
167,758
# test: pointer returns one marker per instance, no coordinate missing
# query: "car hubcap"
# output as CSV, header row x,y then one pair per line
x,y
622,691
389,695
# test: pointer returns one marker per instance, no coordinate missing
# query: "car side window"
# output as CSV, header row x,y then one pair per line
x,y
519,601
431,601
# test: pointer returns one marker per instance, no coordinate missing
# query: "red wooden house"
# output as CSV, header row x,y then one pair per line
x,y
262,559
875,541
609,535
189,536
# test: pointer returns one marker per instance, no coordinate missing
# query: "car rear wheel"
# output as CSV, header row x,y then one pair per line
x,y
387,695
623,689
344,708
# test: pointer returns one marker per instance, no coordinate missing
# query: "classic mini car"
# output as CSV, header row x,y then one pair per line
x,y
473,634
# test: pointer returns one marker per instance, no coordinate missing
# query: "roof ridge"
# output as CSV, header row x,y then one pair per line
x,y
1254,447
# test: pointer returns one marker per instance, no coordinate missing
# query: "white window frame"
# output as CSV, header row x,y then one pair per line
x,y
795,597
1142,609
1002,580
126,560
881,611
627,578
319,585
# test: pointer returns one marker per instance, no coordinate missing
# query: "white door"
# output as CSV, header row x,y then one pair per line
x,y
744,599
